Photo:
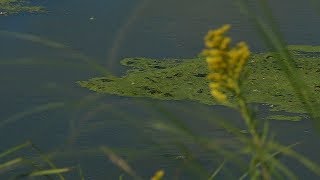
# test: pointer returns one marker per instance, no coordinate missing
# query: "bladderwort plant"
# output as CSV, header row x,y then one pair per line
x,y
226,66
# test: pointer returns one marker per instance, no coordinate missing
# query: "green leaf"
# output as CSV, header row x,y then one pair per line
x,y
50,172
14,149
10,164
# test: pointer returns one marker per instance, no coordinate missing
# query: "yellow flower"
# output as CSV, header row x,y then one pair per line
x,y
158,175
225,64
225,43
222,30
215,63
216,77
231,84
216,52
214,85
214,37
220,96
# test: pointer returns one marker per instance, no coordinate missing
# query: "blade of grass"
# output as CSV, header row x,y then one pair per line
x,y
315,168
10,164
210,144
121,177
194,165
187,132
118,161
216,172
46,159
273,40
80,172
49,172
272,156
25,161
14,149
34,110
36,166
285,170
220,121
56,45
42,62
121,33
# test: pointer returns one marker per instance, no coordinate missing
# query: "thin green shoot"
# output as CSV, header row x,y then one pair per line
x,y
49,172
216,172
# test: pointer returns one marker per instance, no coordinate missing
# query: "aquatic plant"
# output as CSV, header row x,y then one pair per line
x,y
226,67
184,79
16,6
44,168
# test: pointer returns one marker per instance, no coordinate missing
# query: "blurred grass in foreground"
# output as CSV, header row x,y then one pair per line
x,y
226,67
260,146
37,168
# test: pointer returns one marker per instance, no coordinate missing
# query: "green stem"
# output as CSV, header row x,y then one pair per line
x,y
258,144
245,112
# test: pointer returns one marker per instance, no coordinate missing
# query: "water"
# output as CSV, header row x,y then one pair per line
x,y
108,31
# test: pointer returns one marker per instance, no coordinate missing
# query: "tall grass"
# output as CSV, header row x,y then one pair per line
x,y
270,34
25,161
257,156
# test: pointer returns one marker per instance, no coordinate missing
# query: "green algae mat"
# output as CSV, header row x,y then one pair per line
x,y
185,79
8,7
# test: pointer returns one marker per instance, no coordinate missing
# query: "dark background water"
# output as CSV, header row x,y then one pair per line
x,y
118,29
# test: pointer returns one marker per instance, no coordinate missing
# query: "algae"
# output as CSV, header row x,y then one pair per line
x,y
304,48
285,118
8,7
185,79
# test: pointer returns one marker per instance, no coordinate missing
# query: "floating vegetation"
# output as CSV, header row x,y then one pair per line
x,y
185,79
8,7
283,117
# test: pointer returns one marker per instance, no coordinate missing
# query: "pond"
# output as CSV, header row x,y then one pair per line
x,y
44,55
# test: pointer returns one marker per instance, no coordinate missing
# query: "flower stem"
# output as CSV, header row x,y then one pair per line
x,y
257,141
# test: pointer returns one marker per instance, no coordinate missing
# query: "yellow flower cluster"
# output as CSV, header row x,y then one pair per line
x,y
225,63
158,175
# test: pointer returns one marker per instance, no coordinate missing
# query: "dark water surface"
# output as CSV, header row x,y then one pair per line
x,y
108,31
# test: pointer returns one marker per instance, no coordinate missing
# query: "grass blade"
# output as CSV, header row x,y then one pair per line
x,y
57,45
283,169
46,159
10,164
216,172
118,161
49,172
272,156
14,149
315,168
273,39
80,172
34,110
